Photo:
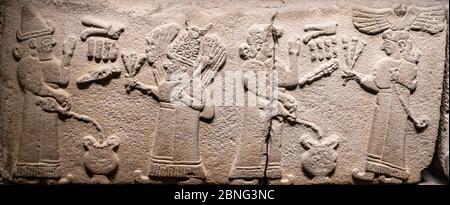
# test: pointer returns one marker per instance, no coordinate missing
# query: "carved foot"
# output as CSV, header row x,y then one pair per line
x,y
364,176
65,180
20,180
286,180
389,180
321,180
244,181
100,179
140,178
192,181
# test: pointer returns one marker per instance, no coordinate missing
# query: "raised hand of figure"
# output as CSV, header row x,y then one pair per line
x,y
68,50
294,47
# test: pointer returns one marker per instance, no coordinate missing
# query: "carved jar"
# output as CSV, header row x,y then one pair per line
x,y
319,161
101,160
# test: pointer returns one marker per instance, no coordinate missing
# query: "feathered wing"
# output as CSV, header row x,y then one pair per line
x,y
212,49
428,19
372,21
159,39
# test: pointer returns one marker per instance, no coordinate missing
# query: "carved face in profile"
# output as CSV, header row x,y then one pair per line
x,y
257,37
389,47
44,45
245,52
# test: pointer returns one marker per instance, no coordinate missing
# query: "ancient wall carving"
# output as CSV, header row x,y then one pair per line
x,y
443,140
2,144
195,95
178,60
101,160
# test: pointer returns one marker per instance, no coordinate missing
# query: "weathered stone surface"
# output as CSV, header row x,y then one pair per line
x,y
443,143
221,92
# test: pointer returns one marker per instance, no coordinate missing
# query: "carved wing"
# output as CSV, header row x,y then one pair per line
x,y
212,49
159,39
372,21
428,19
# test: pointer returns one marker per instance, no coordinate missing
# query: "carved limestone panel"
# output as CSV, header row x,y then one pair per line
x,y
218,92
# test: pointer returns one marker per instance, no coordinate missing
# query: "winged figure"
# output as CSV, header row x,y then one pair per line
x,y
181,60
373,21
193,48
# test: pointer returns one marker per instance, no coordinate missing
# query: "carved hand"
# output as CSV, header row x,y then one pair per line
x,y
68,49
146,89
350,74
288,101
282,111
130,85
63,98
294,48
49,105
395,74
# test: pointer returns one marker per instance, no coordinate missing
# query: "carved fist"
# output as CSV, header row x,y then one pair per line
x,y
284,112
63,98
350,75
131,84
394,74
290,103
422,122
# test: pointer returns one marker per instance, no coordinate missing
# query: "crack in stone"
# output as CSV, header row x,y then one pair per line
x,y
272,80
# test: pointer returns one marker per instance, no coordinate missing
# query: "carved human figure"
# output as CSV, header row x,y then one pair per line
x,y
393,80
183,69
41,76
267,106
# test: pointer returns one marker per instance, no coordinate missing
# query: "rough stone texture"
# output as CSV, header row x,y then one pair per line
x,y
345,111
2,154
443,152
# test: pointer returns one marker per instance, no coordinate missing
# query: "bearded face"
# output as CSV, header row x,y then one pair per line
x,y
45,45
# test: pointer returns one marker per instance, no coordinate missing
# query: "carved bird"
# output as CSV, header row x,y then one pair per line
x,y
374,21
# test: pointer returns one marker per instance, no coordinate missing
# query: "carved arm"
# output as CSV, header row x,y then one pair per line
x,y
31,79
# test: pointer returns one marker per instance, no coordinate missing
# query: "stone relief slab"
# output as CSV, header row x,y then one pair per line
x,y
222,92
